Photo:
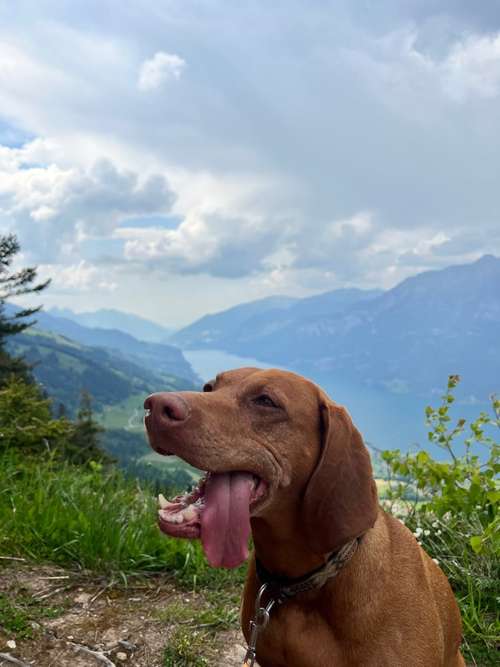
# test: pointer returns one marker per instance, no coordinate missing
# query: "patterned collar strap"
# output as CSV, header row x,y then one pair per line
x,y
284,588
280,589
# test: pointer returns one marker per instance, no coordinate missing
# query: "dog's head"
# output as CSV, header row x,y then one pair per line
x,y
271,442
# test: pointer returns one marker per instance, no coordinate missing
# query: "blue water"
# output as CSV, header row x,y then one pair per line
x,y
387,421
207,363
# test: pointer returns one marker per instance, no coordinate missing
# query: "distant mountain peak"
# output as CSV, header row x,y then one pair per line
x,y
487,259
110,318
427,327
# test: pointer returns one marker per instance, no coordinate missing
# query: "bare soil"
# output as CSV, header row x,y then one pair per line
x,y
94,623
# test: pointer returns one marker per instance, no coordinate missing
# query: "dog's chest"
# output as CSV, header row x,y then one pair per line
x,y
296,637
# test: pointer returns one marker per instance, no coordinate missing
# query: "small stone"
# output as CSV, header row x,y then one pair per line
x,y
70,637
11,644
121,656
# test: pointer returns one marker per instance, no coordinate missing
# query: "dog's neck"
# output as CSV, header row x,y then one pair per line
x,y
282,550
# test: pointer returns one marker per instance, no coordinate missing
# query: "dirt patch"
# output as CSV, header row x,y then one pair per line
x,y
58,618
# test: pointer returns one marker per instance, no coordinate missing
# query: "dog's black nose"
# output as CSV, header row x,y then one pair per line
x,y
166,408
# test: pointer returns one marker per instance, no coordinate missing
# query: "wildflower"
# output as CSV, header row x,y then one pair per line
x,y
438,532
418,531
427,532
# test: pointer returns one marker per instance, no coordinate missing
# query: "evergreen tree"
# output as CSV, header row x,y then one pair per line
x,y
14,283
86,440
26,422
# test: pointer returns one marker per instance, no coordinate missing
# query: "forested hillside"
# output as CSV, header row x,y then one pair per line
x,y
64,368
157,357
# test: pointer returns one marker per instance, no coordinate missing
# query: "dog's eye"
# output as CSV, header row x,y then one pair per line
x,y
265,401
208,387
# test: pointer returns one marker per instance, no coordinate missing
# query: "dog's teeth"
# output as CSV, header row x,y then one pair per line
x,y
189,513
172,518
162,501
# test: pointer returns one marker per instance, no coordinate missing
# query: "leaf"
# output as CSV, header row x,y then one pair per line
x,y
476,542
493,497
422,458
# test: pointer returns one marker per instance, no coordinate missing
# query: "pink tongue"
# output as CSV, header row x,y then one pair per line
x,y
225,520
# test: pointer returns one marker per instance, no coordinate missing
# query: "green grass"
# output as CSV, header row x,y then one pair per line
x,y
126,414
218,610
196,625
87,518
474,579
170,463
18,616
184,649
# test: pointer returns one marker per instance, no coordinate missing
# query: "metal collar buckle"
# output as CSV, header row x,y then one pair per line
x,y
258,623
282,589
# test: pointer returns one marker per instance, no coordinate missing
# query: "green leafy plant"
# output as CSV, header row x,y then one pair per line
x,y
26,422
185,649
452,507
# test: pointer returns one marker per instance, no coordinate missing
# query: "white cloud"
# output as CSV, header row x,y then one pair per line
x,y
412,81
216,244
358,225
54,206
80,277
345,152
472,68
159,69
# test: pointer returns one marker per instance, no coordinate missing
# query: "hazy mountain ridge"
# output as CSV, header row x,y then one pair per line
x,y
212,328
157,357
261,320
109,318
407,339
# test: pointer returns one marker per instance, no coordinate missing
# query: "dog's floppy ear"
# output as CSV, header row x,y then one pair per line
x,y
340,500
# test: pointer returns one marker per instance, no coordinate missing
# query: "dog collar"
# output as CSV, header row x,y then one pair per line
x,y
284,588
280,589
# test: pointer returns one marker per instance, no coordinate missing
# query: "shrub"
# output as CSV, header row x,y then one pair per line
x,y
26,421
452,508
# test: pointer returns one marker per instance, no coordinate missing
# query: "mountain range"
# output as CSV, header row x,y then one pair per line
x,y
111,364
109,318
64,368
385,354
406,340
157,357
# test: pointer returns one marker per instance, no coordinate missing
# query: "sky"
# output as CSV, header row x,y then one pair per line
x,y
173,158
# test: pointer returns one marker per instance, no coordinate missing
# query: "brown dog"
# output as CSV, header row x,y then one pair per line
x,y
287,461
